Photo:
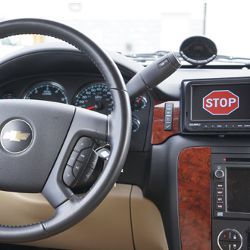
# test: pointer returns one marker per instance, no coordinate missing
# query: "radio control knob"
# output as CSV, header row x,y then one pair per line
x,y
135,124
219,174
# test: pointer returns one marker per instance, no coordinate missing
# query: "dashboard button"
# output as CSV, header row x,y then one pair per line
x,y
219,185
236,245
168,119
219,126
169,105
219,174
219,206
225,235
135,124
225,245
246,125
234,236
168,112
206,126
219,192
219,199
168,126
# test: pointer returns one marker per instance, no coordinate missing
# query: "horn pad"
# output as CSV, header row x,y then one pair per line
x,y
32,133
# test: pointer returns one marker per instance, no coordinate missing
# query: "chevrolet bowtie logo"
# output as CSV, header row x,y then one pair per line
x,y
17,136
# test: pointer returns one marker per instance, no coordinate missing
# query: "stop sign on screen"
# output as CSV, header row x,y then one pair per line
x,y
221,102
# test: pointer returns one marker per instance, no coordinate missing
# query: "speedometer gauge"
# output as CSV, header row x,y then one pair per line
x,y
95,97
47,91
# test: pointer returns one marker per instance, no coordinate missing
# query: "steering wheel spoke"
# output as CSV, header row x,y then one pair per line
x,y
86,126
90,124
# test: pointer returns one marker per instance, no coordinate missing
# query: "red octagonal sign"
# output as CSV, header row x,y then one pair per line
x,y
221,102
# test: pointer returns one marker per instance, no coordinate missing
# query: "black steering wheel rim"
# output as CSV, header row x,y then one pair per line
x,y
115,128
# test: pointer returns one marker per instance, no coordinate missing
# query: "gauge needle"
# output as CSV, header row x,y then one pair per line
x,y
91,107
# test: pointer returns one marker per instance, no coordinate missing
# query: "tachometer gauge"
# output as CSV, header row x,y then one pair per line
x,y
96,97
47,91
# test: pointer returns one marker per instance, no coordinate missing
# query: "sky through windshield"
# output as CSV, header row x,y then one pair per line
x,y
137,26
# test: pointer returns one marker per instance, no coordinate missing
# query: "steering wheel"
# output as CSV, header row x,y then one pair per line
x,y
40,140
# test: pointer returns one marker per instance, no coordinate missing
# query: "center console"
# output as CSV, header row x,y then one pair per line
x,y
222,107
213,195
201,175
231,200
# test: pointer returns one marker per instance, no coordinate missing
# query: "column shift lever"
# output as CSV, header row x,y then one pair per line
x,y
153,74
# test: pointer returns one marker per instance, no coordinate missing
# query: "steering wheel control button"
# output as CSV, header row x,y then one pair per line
x,y
90,168
83,170
84,155
219,174
72,158
229,239
83,143
16,136
81,163
103,153
88,175
68,176
77,168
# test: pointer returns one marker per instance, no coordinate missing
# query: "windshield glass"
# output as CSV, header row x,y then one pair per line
x,y
138,26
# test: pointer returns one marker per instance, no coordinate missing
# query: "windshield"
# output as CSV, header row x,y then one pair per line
x,y
138,26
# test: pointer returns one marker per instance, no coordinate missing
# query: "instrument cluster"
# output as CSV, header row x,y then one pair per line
x,y
94,96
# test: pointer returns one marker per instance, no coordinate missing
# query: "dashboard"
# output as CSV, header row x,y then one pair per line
x,y
184,171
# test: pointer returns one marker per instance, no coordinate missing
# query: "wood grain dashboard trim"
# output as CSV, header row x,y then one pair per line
x,y
194,197
159,135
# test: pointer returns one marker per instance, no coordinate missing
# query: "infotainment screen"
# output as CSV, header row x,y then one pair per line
x,y
216,105
238,189
220,102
